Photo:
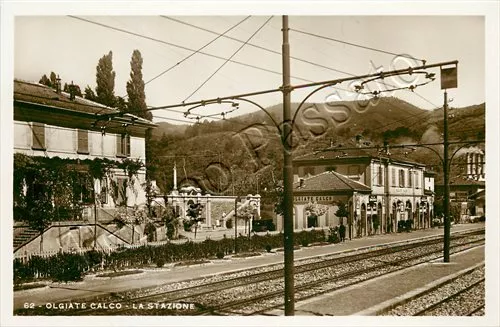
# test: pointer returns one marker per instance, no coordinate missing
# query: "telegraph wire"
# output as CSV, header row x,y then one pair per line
x,y
256,46
227,60
356,45
181,47
197,51
204,53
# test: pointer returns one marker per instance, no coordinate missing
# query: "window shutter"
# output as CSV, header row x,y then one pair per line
x,y
119,145
38,131
83,141
127,140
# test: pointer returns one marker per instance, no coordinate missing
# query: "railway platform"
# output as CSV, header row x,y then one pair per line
x,y
92,286
372,296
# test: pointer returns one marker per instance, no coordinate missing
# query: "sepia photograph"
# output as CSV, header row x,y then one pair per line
x,y
287,164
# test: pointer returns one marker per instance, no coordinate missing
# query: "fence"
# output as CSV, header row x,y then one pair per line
x,y
25,256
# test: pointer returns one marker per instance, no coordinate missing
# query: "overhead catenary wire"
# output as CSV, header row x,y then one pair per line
x,y
227,60
356,45
181,46
197,51
204,53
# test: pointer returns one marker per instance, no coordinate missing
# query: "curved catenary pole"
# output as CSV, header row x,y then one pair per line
x,y
261,108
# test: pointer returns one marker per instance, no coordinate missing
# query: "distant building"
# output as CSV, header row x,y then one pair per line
x,y
216,209
467,188
377,184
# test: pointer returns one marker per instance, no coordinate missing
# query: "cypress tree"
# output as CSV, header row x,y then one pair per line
x,y
105,79
135,88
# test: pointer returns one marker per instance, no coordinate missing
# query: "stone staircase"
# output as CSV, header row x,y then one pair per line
x,y
23,235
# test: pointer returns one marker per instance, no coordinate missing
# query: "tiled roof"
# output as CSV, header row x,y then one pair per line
x,y
459,180
44,95
352,151
330,181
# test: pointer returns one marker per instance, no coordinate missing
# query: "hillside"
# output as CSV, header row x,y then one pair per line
x,y
244,154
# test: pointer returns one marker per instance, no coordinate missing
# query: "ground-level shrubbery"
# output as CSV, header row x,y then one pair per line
x,y
71,267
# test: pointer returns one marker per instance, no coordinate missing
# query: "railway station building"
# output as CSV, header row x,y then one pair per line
x,y
378,189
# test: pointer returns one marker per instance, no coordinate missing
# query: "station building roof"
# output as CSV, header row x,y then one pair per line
x,y
329,181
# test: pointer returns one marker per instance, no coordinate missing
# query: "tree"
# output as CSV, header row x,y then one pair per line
x,y
170,219
45,81
131,216
53,78
90,94
194,214
341,211
135,88
105,79
68,88
247,212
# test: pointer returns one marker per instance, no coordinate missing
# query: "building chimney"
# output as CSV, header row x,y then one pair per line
x,y
58,85
72,91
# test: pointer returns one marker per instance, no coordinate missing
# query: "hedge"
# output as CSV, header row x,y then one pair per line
x,y
71,267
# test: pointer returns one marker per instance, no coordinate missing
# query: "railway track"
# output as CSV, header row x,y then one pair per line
x,y
272,303
229,293
461,295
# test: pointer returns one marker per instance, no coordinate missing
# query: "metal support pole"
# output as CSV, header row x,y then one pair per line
x,y
446,200
95,217
236,224
287,176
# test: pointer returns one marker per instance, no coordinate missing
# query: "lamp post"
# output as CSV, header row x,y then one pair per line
x,y
447,223
236,224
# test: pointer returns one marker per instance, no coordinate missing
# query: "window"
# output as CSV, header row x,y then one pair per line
x,y
417,179
123,145
121,191
410,179
401,178
103,196
309,171
83,141
83,188
393,177
38,131
380,175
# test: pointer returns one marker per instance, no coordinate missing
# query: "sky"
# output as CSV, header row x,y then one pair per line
x,y
72,45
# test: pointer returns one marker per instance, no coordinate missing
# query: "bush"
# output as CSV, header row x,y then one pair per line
x,y
436,222
409,224
268,248
220,255
401,226
304,242
333,235
187,225
160,262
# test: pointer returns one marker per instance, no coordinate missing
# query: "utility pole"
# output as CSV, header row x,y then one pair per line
x,y
287,176
448,81
447,223
236,224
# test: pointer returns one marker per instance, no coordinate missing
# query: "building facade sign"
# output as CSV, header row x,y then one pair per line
x,y
314,198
